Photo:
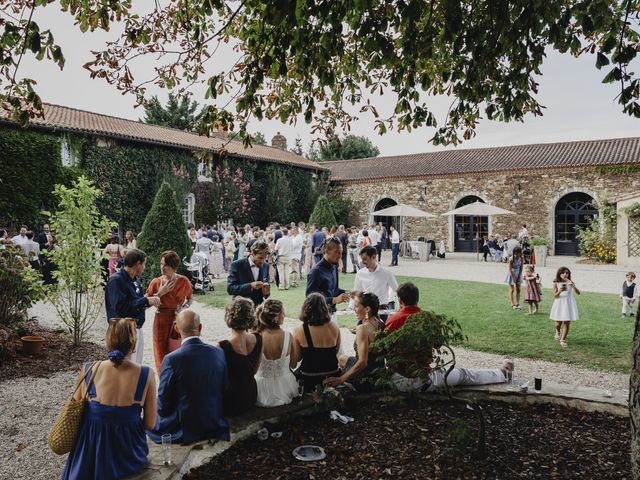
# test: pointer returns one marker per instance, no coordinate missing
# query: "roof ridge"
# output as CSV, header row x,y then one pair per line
x,y
139,122
476,149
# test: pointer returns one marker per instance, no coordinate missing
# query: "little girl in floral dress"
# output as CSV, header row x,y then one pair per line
x,y
531,293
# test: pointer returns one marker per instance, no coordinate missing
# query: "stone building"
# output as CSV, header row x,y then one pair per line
x,y
553,188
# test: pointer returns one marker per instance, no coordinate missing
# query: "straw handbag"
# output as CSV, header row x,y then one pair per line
x,y
65,429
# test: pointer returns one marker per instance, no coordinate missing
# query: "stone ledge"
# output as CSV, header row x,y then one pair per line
x,y
582,398
186,458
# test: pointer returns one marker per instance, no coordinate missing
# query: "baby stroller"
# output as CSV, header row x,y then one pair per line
x,y
198,272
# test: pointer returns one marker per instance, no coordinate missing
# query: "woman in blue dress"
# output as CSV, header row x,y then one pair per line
x,y
514,279
111,443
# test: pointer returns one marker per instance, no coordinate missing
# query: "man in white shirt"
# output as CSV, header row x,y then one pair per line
x,y
395,246
510,244
21,238
523,233
376,279
284,248
297,243
373,236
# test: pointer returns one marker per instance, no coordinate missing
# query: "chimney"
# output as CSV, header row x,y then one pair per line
x,y
223,130
279,141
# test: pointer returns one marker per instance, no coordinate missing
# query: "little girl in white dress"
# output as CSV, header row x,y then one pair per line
x,y
564,309
276,383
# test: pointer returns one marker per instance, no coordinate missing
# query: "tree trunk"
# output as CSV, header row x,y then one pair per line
x,y
634,402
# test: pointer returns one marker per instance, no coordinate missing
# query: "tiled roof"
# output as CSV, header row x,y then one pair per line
x,y
614,151
70,119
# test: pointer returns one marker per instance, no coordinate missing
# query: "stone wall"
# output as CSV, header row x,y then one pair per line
x,y
540,192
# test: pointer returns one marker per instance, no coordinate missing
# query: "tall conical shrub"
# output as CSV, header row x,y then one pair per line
x,y
163,229
322,214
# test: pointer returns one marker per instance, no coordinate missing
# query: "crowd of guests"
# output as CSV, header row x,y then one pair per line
x,y
293,248
261,364
35,246
501,248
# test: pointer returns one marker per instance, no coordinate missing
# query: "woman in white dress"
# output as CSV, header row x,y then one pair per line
x,y
276,383
564,309
217,261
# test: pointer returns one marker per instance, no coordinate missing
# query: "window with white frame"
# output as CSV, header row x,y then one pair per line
x,y
188,208
65,153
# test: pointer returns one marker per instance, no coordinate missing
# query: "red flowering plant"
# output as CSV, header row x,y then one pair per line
x,y
420,346
231,192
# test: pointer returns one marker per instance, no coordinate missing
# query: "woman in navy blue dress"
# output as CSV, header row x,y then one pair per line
x,y
111,443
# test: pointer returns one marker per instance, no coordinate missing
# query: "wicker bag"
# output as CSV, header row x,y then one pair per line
x,y
67,425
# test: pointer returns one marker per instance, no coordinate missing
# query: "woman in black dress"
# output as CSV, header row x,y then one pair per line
x,y
242,353
356,369
318,341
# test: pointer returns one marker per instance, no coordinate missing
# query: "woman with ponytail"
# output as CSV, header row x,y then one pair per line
x,y
276,383
111,442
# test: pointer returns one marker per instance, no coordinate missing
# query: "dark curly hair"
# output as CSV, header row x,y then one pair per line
x,y
239,314
315,310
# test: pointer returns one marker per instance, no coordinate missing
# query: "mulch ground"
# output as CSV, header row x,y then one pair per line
x,y
426,440
57,354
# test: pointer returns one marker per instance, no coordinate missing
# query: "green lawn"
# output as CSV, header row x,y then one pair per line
x,y
600,339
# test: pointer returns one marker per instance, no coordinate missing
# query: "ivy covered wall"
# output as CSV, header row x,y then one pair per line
x,y
30,165
130,175
278,192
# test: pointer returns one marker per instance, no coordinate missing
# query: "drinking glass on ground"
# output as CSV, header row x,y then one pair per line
x,y
166,448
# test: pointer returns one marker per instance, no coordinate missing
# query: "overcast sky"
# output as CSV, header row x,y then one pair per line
x,y
578,105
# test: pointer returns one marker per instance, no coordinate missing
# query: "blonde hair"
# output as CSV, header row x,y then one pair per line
x,y
268,314
530,268
121,335
240,314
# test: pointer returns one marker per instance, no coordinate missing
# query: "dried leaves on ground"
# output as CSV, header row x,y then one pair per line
x,y
436,440
58,354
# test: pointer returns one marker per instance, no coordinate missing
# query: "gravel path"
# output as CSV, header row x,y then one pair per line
x,y
28,406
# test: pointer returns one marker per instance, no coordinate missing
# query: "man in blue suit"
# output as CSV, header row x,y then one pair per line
x,y
249,277
317,241
192,383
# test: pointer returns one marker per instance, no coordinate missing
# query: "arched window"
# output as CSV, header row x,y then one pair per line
x,y
469,229
574,210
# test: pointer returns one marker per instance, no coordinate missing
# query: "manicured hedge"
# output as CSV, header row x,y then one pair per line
x,y
163,229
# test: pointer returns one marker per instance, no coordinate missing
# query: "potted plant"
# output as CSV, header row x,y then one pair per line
x,y
32,344
539,245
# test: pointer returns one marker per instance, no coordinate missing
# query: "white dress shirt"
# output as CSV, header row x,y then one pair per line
x,y
284,245
373,236
19,240
254,269
296,247
395,237
378,282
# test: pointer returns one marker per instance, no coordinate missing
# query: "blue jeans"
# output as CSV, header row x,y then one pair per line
x,y
395,248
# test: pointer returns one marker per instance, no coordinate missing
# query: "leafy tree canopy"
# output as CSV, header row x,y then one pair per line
x,y
180,112
351,146
328,61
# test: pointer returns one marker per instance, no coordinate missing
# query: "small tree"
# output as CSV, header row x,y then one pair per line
x,y
163,229
322,214
79,229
